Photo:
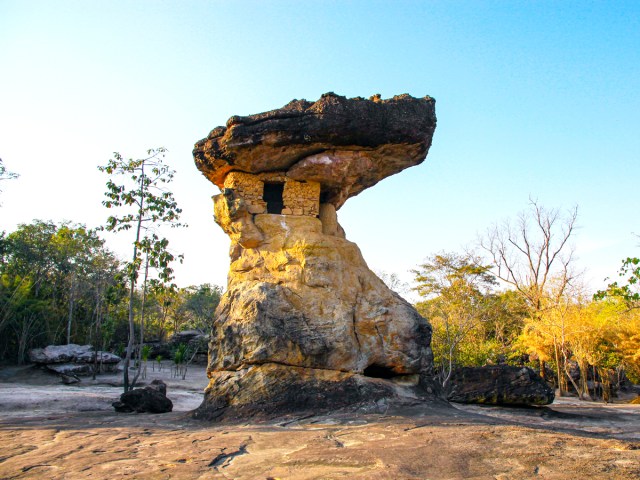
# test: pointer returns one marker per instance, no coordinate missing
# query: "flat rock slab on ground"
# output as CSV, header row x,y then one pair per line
x,y
438,445
52,431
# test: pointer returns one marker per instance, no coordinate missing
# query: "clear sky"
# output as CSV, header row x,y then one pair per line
x,y
536,99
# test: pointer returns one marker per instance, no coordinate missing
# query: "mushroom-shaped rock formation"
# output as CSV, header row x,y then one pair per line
x,y
304,324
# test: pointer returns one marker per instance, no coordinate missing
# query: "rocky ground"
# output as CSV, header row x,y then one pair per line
x,y
56,431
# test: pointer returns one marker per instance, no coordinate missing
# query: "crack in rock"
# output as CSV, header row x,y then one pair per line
x,y
223,460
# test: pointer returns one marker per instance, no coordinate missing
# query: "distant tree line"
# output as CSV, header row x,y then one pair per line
x,y
59,283
520,301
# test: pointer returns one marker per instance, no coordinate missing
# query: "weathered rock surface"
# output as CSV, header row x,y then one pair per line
x,y
150,399
348,145
499,385
73,359
304,323
58,353
71,368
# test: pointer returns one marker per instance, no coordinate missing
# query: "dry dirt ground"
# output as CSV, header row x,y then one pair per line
x,y
54,431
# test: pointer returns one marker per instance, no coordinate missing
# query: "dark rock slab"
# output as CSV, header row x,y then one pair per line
x,y
150,399
346,144
271,390
499,385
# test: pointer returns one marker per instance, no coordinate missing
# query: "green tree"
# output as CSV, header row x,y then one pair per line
x,y
627,291
51,276
456,290
165,301
200,304
145,204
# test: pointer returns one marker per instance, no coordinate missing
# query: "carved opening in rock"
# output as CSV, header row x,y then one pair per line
x,y
379,371
273,197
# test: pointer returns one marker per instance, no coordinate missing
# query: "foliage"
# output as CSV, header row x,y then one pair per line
x,y
544,316
456,289
146,351
591,345
533,257
180,359
144,204
58,282
629,292
200,303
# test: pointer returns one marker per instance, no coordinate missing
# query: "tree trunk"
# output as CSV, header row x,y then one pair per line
x,y
543,369
98,337
566,371
558,370
144,298
584,383
70,314
132,289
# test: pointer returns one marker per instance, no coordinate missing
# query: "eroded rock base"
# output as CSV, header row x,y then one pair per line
x,y
305,324
272,390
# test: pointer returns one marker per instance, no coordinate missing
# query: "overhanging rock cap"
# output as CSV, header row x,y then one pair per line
x,y
347,145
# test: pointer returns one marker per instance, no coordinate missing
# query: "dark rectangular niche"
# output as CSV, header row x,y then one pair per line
x,y
273,197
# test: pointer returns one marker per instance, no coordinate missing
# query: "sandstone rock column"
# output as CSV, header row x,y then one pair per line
x,y
304,324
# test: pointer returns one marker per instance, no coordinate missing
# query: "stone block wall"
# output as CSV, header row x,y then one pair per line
x,y
299,198
250,188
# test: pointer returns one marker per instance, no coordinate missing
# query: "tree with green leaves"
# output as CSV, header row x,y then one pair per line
x,y
200,304
456,290
145,204
627,291
54,282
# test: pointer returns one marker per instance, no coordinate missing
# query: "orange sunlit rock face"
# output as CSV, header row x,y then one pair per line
x,y
304,323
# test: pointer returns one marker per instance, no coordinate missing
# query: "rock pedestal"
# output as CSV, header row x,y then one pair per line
x,y
304,324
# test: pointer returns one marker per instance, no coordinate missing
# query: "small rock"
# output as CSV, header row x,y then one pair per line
x,y
159,385
150,399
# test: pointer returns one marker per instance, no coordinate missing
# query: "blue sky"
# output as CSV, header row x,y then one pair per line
x,y
535,99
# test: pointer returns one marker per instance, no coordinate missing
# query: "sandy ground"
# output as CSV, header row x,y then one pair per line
x,y
53,431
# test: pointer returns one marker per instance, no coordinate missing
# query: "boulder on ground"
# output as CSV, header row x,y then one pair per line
x,y
103,357
69,379
150,399
70,368
58,353
73,359
499,385
195,339
159,385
